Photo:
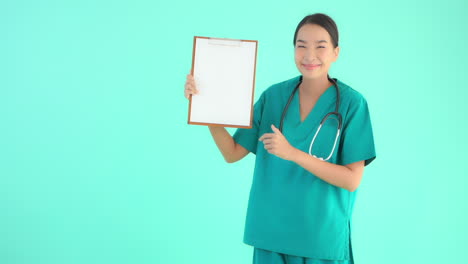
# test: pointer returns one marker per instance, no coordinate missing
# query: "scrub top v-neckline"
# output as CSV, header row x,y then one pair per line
x,y
316,111
299,104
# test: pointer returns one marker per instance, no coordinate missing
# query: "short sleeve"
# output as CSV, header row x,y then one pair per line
x,y
248,137
357,140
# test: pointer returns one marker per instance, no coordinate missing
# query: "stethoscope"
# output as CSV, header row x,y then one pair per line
x,y
335,113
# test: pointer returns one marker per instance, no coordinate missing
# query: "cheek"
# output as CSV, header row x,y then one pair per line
x,y
322,53
298,55
325,55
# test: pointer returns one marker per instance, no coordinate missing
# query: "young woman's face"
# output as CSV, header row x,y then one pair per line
x,y
314,52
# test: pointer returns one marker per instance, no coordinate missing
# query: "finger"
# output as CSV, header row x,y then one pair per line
x,y
266,135
192,85
190,78
189,88
191,81
275,130
188,91
188,95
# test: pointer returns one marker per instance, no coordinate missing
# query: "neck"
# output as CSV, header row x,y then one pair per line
x,y
314,87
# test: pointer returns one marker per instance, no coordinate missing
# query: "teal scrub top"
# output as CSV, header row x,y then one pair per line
x,y
290,210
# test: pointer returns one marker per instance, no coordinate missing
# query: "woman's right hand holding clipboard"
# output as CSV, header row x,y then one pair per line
x,y
190,87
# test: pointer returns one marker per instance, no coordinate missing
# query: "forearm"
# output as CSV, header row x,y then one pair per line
x,y
334,174
224,142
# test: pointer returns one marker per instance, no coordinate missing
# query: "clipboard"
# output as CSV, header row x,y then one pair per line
x,y
224,71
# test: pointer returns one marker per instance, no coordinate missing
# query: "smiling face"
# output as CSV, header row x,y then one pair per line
x,y
314,51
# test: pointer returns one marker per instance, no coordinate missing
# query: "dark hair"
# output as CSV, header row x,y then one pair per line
x,y
321,20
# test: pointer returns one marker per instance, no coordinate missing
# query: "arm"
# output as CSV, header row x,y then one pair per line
x,y
231,150
348,176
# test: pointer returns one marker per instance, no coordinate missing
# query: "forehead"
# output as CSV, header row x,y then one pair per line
x,y
313,33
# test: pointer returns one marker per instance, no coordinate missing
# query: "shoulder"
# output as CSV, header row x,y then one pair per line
x,y
350,97
349,93
282,88
353,103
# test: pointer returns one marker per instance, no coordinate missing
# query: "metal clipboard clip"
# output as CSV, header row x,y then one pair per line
x,y
225,42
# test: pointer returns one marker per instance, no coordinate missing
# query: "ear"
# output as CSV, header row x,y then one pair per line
x,y
336,52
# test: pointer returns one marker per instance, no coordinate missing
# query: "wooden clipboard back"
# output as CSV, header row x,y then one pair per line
x,y
193,72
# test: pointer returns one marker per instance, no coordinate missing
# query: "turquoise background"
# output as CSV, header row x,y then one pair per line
x,y
98,164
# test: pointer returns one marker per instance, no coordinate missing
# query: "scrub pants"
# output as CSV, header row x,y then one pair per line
x,y
261,256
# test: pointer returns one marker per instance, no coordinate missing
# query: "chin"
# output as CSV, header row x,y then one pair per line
x,y
311,75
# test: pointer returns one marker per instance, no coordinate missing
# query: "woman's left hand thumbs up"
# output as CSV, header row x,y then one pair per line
x,y
276,144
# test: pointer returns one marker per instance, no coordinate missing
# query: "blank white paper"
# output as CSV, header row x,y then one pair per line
x,y
224,75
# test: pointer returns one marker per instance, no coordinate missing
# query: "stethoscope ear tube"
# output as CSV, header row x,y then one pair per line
x,y
287,106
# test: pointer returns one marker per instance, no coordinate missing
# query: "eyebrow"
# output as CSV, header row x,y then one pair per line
x,y
318,41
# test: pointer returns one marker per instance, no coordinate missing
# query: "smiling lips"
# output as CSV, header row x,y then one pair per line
x,y
311,66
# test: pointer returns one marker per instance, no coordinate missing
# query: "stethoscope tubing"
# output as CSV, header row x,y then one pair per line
x,y
336,113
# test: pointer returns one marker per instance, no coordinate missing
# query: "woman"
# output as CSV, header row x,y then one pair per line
x,y
304,183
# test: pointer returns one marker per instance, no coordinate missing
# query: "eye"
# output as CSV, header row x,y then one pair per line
x,y
321,47
301,46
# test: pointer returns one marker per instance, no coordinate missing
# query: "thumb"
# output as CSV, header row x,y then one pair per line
x,y
275,129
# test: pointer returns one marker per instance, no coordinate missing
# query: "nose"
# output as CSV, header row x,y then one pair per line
x,y
309,55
